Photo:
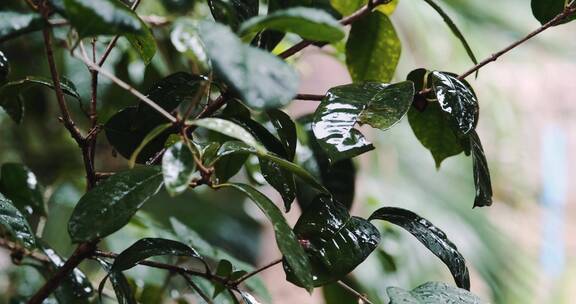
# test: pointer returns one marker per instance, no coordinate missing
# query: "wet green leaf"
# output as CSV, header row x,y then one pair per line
x,y
457,101
19,184
230,129
286,129
149,247
481,173
293,253
309,23
13,24
260,79
4,68
144,43
111,204
546,10
376,104
373,49
280,179
455,30
432,293
233,12
13,223
75,287
11,100
122,288
185,39
150,137
178,168
430,236
334,241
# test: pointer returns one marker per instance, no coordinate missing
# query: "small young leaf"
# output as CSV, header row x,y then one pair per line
x,y
430,236
150,247
14,223
19,184
110,205
373,49
308,23
280,179
13,24
262,80
293,253
432,293
334,241
481,173
178,168
234,12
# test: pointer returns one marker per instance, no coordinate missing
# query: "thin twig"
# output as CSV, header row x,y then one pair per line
x,y
196,288
114,40
309,97
354,292
257,271
22,251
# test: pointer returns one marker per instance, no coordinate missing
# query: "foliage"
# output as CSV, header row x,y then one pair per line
x,y
215,110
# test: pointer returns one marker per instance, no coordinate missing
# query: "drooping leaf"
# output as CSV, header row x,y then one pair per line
x,y
4,68
111,204
373,49
457,101
259,78
309,23
75,287
230,129
150,247
292,252
286,129
376,104
19,184
13,24
280,179
546,10
178,168
233,12
111,17
432,293
11,100
150,137
122,288
455,30
430,236
15,225
334,241
481,173
430,125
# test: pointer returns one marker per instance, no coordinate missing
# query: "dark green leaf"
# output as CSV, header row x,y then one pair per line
x,y
178,168
58,6
150,247
335,241
122,289
432,237
111,204
75,287
223,270
13,24
457,101
309,23
107,17
230,129
293,253
546,10
280,179
262,80
373,49
454,29
233,12
376,104
481,173
11,100
286,129
151,137
15,225
4,68
144,43
21,186
432,293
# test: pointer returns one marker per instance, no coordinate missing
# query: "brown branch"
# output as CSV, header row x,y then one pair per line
x,y
114,40
309,97
365,10
20,251
257,271
196,288
354,292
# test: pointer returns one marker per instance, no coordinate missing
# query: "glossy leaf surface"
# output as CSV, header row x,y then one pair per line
x,y
286,240
432,293
233,12
13,24
432,237
14,224
122,289
186,40
373,49
376,104
546,10
335,241
259,78
308,23
4,68
457,101
280,179
481,173
111,204
230,129
107,17
286,129
150,247
150,137
178,168
19,184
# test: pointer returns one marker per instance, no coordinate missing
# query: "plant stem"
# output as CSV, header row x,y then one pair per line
x,y
354,292
196,289
309,97
257,271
